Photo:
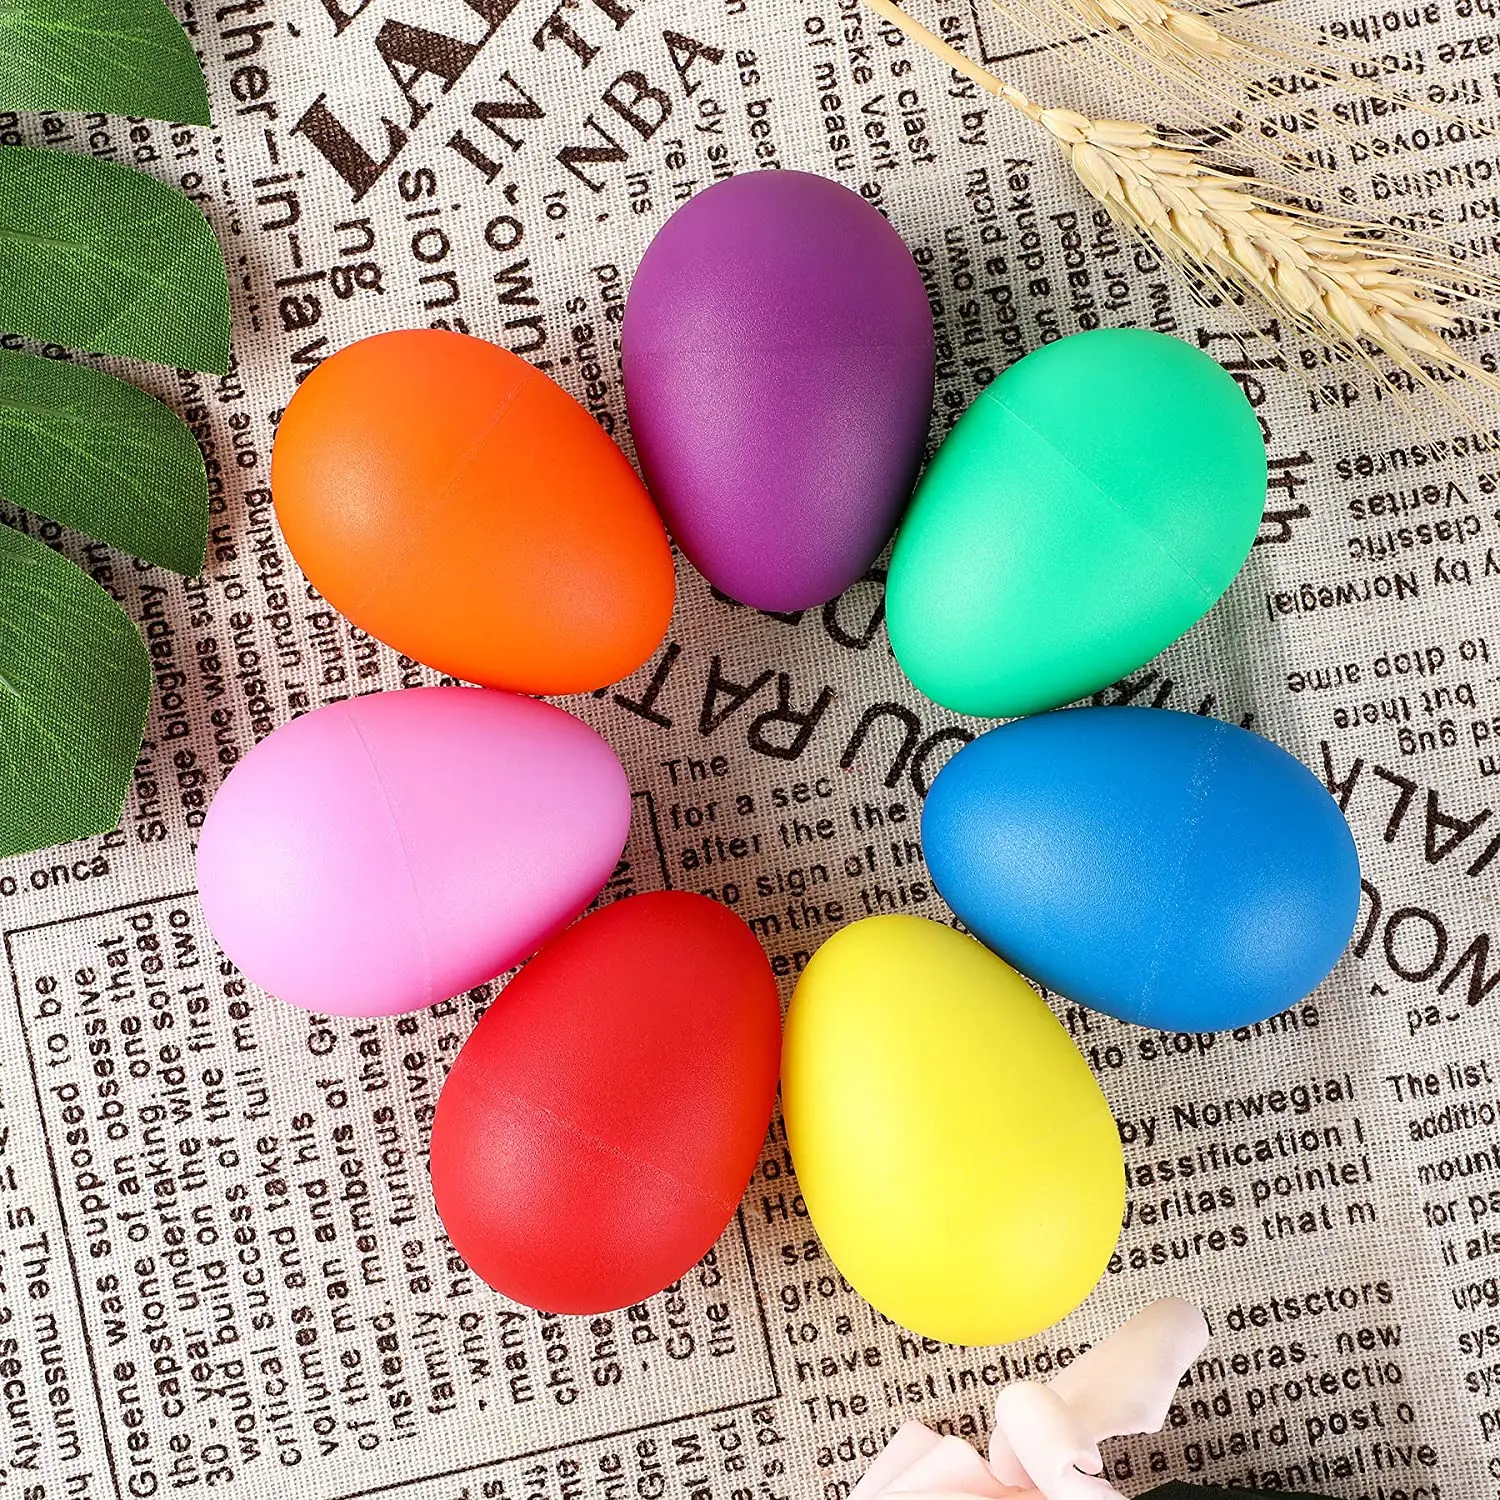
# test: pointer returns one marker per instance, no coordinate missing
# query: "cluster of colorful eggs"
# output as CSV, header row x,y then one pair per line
x,y
600,1125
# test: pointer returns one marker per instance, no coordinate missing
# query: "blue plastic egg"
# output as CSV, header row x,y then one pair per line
x,y
1164,868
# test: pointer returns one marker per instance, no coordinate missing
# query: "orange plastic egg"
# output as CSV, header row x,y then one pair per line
x,y
461,507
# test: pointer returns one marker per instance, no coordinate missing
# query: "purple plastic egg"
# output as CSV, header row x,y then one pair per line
x,y
778,364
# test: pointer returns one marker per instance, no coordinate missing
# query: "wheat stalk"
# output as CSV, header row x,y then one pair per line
x,y
1183,41
1358,287
1224,58
1161,28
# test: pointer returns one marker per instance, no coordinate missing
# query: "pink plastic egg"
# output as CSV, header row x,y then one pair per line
x,y
393,850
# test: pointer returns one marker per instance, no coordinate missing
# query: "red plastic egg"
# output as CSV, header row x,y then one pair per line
x,y
600,1125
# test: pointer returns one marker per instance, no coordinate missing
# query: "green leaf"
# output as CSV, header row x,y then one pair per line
x,y
75,685
120,57
83,448
98,257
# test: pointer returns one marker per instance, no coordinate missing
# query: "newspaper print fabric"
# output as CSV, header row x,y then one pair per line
x,y
220,1268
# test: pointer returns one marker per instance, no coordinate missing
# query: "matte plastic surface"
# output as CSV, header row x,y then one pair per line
x,y
956,1155
1090,506
383,853
599,1126
459,505
778,363
1164,868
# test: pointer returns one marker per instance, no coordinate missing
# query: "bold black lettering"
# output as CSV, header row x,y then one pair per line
x,y
412,53
343,18
572,156
489,112
345,154
684,52
640,92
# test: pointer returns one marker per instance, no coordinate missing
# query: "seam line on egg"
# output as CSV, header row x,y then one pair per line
x,y
477,446
1201,785
618,1152
641,349
411,881
1208,594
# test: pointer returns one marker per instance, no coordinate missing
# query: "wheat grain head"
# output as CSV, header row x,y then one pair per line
x,y
1364,289
1267,73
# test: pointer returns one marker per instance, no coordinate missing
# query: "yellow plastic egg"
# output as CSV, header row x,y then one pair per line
x,y
957,1158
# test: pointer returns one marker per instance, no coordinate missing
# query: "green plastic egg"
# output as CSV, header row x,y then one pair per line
x,y
1090,506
